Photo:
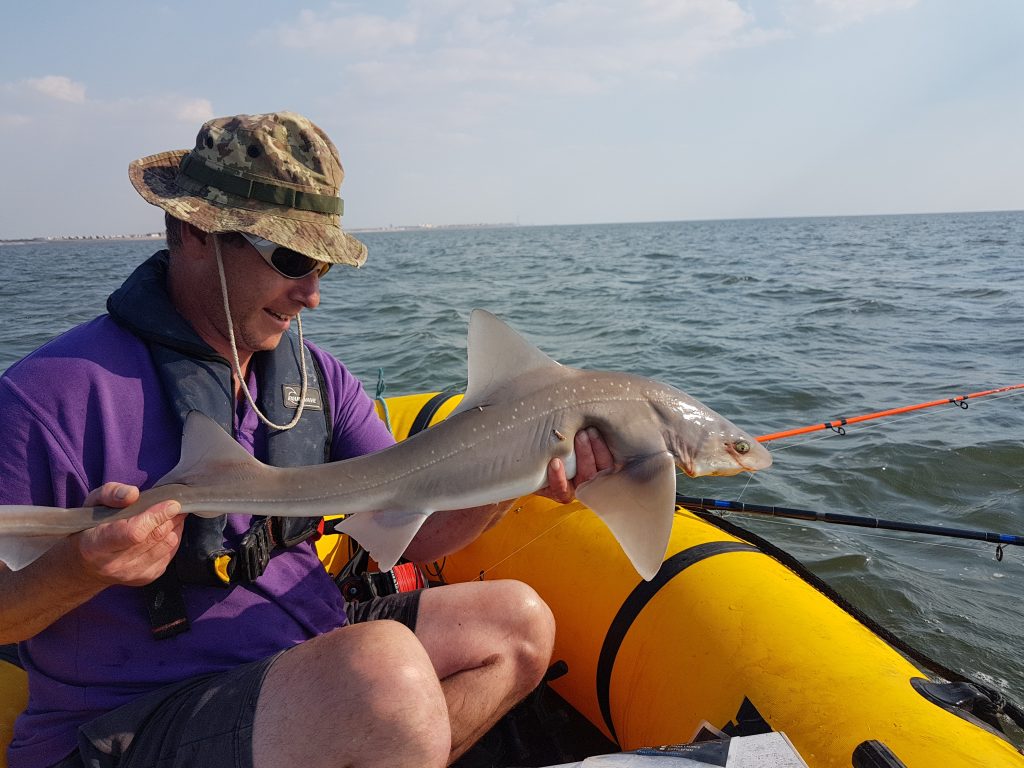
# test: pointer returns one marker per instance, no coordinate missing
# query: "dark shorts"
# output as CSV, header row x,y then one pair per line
x,y
203,722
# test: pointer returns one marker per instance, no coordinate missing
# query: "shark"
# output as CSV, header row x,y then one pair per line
x,y
521,409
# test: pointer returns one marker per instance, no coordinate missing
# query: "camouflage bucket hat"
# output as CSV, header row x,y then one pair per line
x,y
275,176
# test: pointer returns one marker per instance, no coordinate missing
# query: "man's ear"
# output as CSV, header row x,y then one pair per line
x,y
189,232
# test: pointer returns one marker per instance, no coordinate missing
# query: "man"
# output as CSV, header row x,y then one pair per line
x,y
163,641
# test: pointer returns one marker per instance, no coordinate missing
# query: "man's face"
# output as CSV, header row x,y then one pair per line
x,y
263,302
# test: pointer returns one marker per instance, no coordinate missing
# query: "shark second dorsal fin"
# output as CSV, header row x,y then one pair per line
x,y
206,451
496,355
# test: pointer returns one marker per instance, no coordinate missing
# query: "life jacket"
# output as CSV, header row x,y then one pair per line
x,y
196,378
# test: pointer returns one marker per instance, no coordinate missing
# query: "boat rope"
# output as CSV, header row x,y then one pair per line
x,y
838,426
379,397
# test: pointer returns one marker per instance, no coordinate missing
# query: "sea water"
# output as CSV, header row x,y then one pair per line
x,y
774,323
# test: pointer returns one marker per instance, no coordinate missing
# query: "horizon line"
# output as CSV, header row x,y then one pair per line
x,y
156,235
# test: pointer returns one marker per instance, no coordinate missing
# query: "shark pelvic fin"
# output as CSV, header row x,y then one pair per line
x,y
385,534
497,355
206,451
18,551
637,504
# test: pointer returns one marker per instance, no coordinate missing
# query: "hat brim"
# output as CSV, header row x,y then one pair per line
x,y
317,235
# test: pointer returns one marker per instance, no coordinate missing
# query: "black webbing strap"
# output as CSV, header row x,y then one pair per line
x,y
429,409
1005,705
166,606
636,602
198,169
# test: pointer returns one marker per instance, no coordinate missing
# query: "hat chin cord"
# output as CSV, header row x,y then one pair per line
x,y
237,364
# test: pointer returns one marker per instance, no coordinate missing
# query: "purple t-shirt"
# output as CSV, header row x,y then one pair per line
x,y
88,408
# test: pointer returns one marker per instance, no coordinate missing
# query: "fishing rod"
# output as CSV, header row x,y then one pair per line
x,y
720,505
838,425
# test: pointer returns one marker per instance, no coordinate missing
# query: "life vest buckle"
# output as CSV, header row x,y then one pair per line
x,y
253,553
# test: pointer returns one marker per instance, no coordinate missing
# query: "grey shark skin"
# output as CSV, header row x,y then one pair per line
x,y
521,409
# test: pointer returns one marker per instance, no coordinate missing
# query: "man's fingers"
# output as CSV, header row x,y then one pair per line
x,y
586,467
113,495
153,524
558,485
602,454
133,551
592,457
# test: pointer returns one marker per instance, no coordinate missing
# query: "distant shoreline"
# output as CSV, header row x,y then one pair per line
x,y
161,235
81,239
507,225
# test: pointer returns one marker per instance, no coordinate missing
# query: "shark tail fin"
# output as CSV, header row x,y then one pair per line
x,y
637,504
385,534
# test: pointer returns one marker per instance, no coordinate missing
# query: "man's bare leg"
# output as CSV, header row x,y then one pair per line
x,y
490,643
362,695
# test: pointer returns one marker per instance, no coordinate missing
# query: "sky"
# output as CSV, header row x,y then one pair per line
x,y
533,112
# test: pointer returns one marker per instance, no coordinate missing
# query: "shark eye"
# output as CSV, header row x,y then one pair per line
x,y
741,447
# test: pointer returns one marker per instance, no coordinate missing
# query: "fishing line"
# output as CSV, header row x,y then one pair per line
x,y
746,485
515,552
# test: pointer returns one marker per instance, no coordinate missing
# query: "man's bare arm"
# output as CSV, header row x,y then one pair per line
x,y
132,552
449,531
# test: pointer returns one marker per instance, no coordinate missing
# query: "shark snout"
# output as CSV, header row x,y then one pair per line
x,y
727,457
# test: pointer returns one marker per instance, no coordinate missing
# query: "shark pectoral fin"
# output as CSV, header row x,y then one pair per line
x,y
18,551
637,504
385,534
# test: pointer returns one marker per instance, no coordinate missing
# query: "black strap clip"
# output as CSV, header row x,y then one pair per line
x,y
254,550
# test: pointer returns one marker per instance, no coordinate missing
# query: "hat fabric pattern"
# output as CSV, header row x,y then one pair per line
x,y
276,176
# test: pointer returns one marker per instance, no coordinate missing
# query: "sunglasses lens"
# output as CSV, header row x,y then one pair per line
x,y
294,264
286,261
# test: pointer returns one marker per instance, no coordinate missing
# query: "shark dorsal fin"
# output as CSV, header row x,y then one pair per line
x,y
206,451
497,355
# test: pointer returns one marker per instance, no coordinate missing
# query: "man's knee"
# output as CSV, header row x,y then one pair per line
x,y
378,681
532,624
402,691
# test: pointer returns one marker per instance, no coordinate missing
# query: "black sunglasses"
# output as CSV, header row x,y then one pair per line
x,y
285,261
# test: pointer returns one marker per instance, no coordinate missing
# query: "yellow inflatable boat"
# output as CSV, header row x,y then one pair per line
x,y
730,638
726,639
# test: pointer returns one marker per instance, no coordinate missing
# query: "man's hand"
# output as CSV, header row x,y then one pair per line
x,y
592,457
133,551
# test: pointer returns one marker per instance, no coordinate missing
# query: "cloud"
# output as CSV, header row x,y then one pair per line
x,y
577,46
14,121
355,34
58,87
194,111
832,15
